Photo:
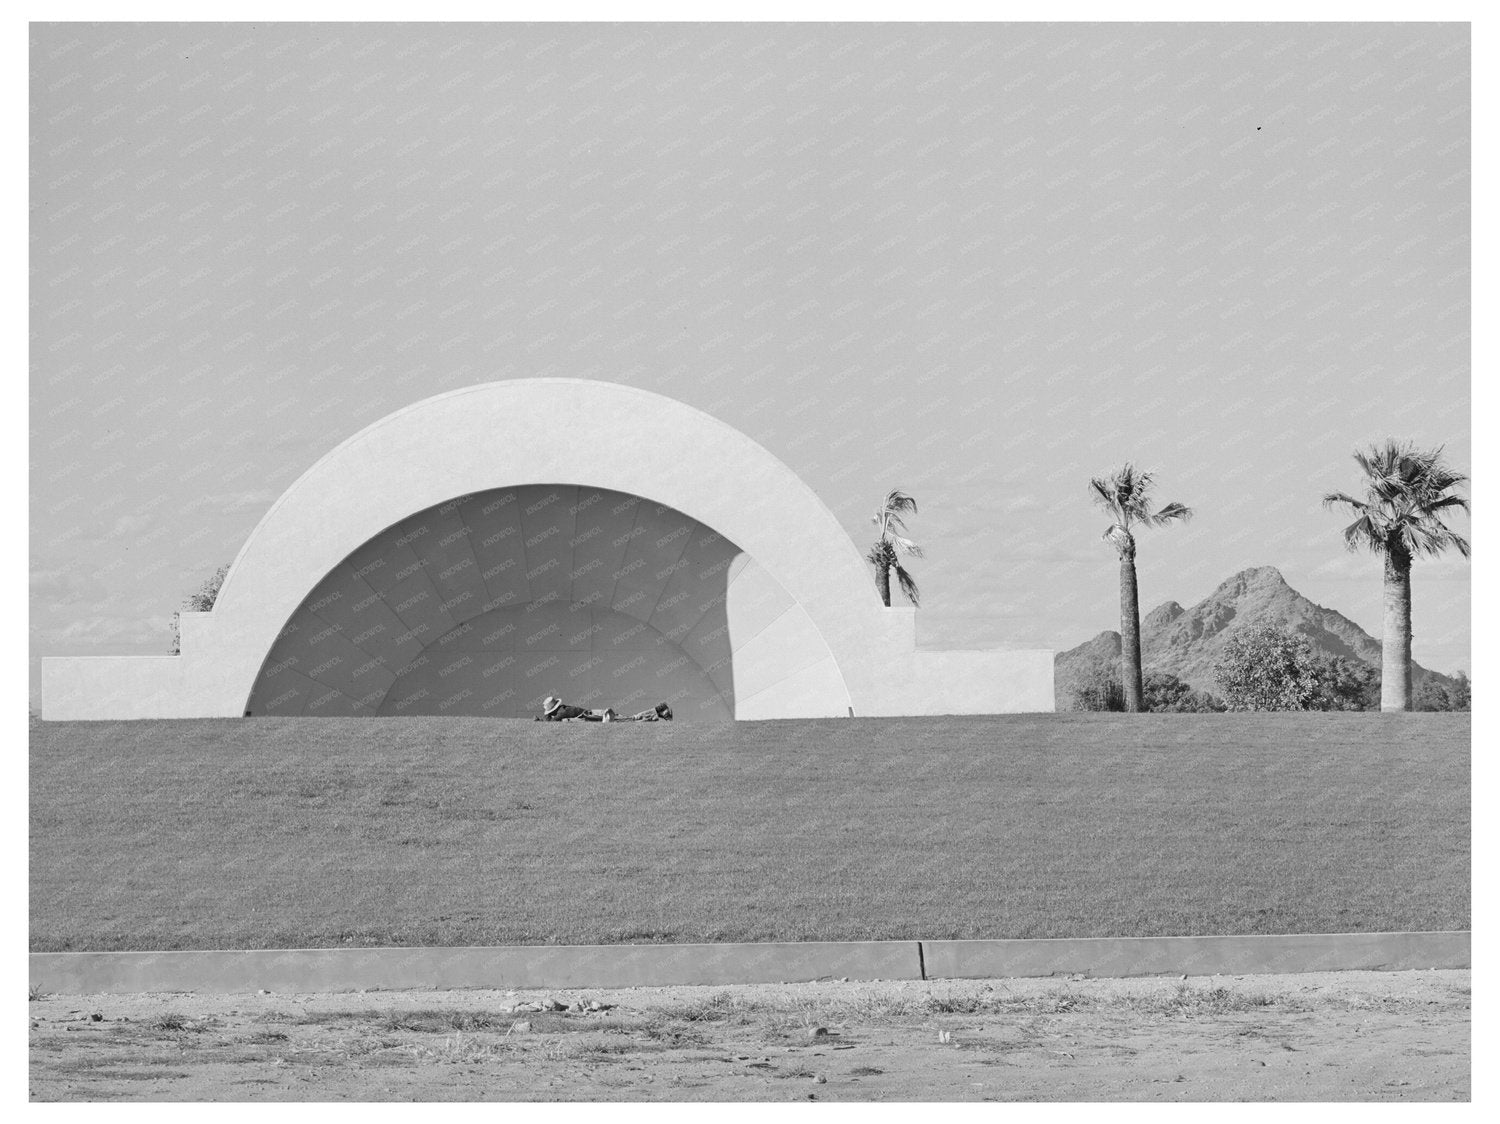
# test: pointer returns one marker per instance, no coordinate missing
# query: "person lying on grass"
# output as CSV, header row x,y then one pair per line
x,y
555,710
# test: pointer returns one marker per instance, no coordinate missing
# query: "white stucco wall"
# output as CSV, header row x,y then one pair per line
x,y
830,646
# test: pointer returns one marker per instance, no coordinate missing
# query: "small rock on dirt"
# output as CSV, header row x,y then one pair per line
x,y
821,1079
522,1027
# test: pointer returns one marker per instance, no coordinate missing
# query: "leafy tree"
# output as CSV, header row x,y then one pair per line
x,y
1432,695
1126,497
1098,687
1407,492
885,553
200,601
1345,684
1265,667
1163,691
1166,694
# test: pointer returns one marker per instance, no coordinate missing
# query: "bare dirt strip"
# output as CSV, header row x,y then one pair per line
x,y
1346,1036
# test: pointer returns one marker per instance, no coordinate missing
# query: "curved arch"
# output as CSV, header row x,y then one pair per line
x,y
487,603
507,434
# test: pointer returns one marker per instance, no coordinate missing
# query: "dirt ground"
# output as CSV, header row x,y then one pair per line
x,y
1346,1036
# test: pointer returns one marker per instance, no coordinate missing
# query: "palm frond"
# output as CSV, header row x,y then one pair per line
x,y
1104,494
1459,543
908,584
1425,538
896,500
1332,498
1379,462
1441,478
1172,512
1442,503
1362,532
1117,535
893,531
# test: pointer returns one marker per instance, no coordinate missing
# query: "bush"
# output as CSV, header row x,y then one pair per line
x,y
1166,694
1265,667
1101,687
1432,695
1345,684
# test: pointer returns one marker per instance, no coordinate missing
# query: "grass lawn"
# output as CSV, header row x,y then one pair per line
x,y
273,833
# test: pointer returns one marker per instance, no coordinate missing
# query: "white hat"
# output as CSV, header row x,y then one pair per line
x,y
550,704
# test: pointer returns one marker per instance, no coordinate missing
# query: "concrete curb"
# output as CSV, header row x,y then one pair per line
x,y
657,965
353,969
1196,956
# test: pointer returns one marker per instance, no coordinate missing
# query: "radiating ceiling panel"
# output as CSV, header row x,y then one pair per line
x,y
548,517
495,538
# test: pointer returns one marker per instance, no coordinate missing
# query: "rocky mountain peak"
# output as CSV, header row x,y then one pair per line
x,y
1186,642
1254,578
1164,614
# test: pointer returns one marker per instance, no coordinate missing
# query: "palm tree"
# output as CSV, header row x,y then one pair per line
x,y
892,543
1406,492
1126,496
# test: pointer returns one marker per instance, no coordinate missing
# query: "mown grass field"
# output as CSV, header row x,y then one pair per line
x,y
270,833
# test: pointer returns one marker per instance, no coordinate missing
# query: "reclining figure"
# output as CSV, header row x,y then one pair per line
x,y
555,710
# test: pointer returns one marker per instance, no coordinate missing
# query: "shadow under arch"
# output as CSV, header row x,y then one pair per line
x,y
487,603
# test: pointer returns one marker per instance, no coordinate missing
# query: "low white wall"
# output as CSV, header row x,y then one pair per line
x,y
956,682
981,682
97,687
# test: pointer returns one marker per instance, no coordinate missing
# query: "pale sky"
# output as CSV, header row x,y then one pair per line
x,y
977,262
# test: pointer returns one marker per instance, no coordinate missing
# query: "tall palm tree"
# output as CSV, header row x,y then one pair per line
x,y
1406,492
1126,496
886,551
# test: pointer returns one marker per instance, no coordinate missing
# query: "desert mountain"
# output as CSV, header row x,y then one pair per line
x,y
1186,642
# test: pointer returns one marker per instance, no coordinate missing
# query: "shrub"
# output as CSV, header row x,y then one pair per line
x,y
1266,667
1166,694
201,601
1432,695
1345,684
1100,687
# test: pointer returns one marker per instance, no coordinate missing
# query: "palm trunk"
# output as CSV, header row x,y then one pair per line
x,y
883,582
1130,631
1395,661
